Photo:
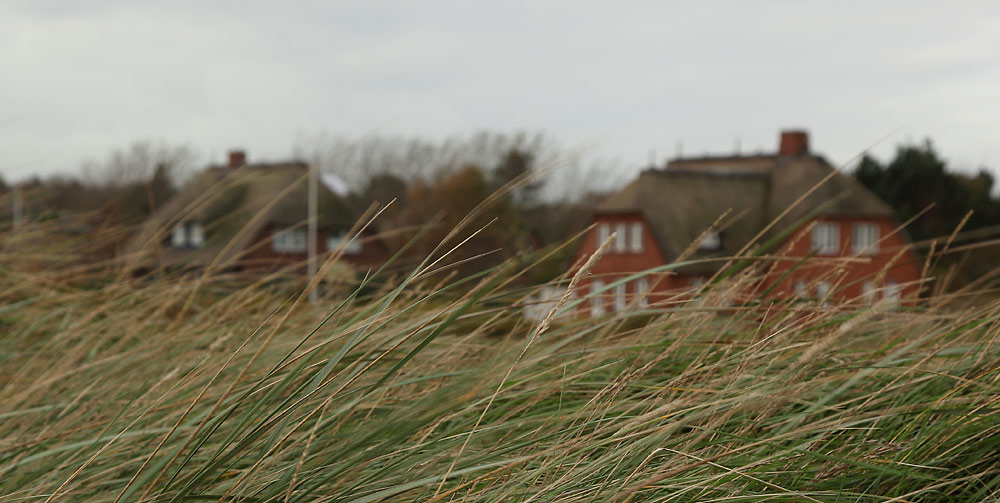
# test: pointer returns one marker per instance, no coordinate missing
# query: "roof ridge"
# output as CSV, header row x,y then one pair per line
x,y
719,173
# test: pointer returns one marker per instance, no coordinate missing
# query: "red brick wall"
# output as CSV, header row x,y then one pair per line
x,y
616,264
846,279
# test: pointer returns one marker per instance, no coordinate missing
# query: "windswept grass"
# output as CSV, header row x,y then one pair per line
x,y
430,387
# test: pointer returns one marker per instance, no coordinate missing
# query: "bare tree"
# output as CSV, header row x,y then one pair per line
x,y
141,162
356,161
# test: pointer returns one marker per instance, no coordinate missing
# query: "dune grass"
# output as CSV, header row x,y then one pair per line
x,y
432,387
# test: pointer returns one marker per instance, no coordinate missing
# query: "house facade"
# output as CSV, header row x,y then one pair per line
x,y
249,218
696,213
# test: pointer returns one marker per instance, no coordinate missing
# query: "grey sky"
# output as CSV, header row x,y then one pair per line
x,y
83,78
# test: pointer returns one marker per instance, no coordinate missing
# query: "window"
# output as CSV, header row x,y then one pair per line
x,y
353,247
635,237
179,237
800,288
289,241
596,298
711,240
868,292
620,297
826,238
697,283
892,292
822,291
603,233
620,237
187,235
864,238
196,236
642,291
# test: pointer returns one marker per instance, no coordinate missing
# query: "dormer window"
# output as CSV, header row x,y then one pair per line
x,y
187,235
289,241
353,246
711,240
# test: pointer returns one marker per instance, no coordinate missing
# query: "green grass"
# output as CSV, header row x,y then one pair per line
x,y
429,387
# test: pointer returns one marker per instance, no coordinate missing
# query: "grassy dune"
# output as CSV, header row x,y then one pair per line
x,y
423,386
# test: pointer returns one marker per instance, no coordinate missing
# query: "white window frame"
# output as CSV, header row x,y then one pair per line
x,y
603,233
823,292
801,289
597,307
620,237
187,235
865,238
178,237
642,292
620,297
196,235
635,237
289,241
868,292
893,292
711,240
353,247
826,238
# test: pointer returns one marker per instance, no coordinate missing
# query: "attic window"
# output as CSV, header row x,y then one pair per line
x,y
635,238
289,241
826,238
353,246
620,237
603,233
187,235
711,240
628,236
864,238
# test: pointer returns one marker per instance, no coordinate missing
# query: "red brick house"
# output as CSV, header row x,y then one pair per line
x,y
703,210
251,218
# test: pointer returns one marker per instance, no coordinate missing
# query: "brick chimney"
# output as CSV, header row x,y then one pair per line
x,y
237,158
794,142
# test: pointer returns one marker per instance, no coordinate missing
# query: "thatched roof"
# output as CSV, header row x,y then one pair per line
x,y
683,200
233,206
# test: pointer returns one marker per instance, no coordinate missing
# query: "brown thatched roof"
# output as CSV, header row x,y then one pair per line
x,y
233,206
683,200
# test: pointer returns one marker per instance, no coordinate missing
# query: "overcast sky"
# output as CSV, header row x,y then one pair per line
x,y
80,79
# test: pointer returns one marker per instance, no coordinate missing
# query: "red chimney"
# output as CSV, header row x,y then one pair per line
x,y
794,142
237,158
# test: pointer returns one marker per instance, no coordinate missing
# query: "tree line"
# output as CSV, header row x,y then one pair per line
x,y
444,181
422,182
937,202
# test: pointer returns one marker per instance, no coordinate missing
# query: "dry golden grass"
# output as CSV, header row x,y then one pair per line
x,y
424,386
